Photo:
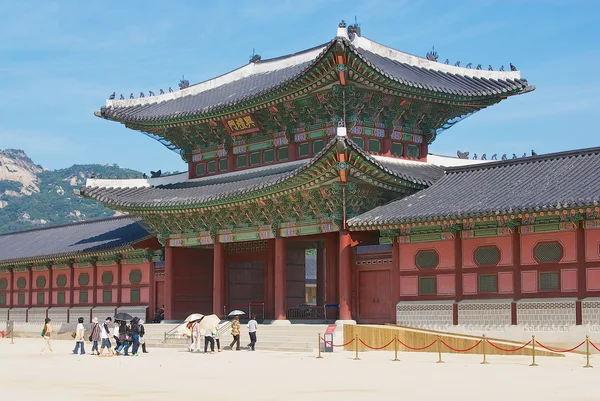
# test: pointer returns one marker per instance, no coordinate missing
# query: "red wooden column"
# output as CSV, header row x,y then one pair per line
x,y
169,281
321,266
119,281
30,286
11,289
95,284
71,286
269,289
345,275
50,301
218,278
152,284
279,279
395,276
516,257
331,282
581,274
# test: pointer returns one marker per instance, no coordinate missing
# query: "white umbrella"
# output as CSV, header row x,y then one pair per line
x,y
209,323
236,312
193,317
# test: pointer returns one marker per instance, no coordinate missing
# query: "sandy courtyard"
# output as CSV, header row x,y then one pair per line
x,y
267,375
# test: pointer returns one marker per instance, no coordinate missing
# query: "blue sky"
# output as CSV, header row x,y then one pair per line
x,y
60,61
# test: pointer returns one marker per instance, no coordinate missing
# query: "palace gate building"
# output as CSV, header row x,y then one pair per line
x,y
322,158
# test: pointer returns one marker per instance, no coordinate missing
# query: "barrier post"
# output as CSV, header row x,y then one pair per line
x,y
11,327
319,346
395,348
485,362
587,352
439,347
356,358
533,351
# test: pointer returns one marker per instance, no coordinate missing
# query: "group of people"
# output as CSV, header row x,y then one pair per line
x,y
125,334
213,336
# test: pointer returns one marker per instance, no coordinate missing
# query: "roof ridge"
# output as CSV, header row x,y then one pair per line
x,y
523,160
75,223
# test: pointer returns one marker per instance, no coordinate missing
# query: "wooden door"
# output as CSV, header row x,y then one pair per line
x,y
295,277
374,296
159,295
245,283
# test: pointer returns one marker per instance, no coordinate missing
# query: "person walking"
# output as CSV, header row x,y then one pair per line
x,y
252,327
46,332
79,337
116,334
235,332
208,339
96,336
135,335
105,338
216,336
195,330
124,338
142,336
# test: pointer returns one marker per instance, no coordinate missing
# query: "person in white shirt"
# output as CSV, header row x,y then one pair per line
x,y
252,326
116,334
79,337
105,336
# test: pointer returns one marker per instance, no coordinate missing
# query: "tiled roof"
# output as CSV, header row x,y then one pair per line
x,y
210,189
547,182
71,239
256,79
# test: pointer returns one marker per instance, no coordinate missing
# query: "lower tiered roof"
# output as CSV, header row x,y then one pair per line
x,y
552,182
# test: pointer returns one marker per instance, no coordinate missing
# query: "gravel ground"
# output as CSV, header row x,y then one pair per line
x,y
268,375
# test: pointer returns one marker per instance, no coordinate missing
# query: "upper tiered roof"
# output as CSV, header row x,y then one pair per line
x,y
256,83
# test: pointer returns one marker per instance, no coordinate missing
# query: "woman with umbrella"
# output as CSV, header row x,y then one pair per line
x,y
235,332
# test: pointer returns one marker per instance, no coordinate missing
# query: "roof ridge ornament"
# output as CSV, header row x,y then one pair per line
x,y
432,55
342,32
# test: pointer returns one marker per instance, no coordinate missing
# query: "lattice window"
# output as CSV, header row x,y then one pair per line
x,y
135,276
3,284
135,295
21,299
2,299
374,146
223,164
61,280
83,297
21,282
282,153
397,149
549,281
426,285
40,298
548,252
107,295
211,167
488,283
60,298
254,158
427,259
269,156
40,282
318,146
487,255
199,169
413,151
83,279
107,278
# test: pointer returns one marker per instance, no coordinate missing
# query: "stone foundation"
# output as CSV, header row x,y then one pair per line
x,y
427,315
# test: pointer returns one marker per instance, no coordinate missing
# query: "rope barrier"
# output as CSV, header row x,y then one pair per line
x,y
594,345
507,350
417,349
374,348
461,350
557,350
334,345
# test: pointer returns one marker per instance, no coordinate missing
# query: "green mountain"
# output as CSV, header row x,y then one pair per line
x,y
32,197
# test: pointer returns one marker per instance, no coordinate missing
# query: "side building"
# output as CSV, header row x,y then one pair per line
x,y
82,269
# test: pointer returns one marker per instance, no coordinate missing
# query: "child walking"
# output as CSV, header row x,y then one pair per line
x,y
46,332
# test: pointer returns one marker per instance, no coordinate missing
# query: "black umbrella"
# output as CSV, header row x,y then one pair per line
x,y
123,316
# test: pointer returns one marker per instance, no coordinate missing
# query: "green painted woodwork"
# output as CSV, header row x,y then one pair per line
x,y
105,263
360,142
83,297
211,167
397,149
413,151
549,281
21,299
199,170
107,296
316,134
259,146
269,156
386,240
60,297
318,146
427,286
304,149
241,161
40,298
135,295
133,261
223,164
374,145
282,153
488,283
254,158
